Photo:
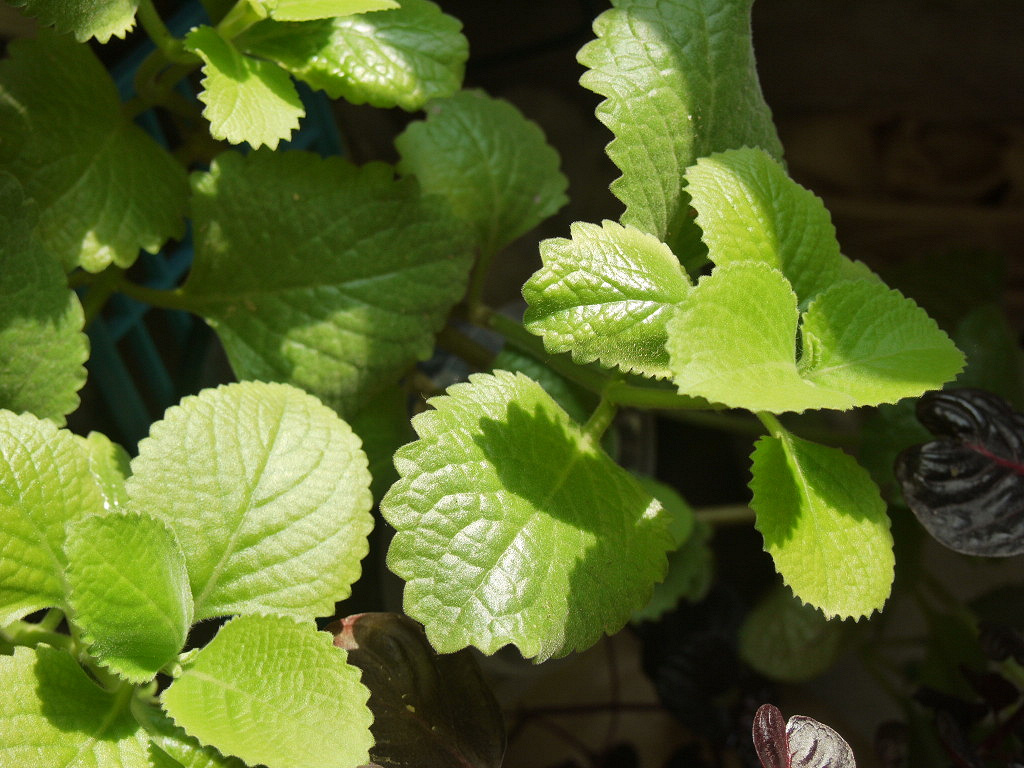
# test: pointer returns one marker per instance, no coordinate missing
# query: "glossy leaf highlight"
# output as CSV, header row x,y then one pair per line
x,y
967,487
607,294
515,528
391,58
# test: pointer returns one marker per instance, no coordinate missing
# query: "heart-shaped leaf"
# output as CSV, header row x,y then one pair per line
x,y
803,743
967,487
429,710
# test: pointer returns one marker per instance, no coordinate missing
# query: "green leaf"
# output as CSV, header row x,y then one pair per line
x,y
493,166
750,210
110,466
268,493
514,527
607,294
788,641
576,401
873,343
84,18
274,692
393,58
679,83
383,425
171,747
104,188
344,287
307,10
38,312
247,99
129,592
690,565
45,483
824,524
733,341
53,716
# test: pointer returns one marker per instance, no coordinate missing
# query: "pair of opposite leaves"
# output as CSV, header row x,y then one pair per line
x,y
784,322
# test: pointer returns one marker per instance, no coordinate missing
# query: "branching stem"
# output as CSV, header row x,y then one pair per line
x,y
600,420
170,46
173,299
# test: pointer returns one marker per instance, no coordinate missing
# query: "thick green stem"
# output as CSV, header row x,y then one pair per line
x,y
164,299
28,634
731,514
458,343
772,424
170,46
600,420
99,292
475,292
242,16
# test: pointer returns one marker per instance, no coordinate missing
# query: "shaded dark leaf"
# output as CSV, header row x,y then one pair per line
x,y
429,710
955,742
964,712
967,487
892,744
770,738
1000,643
997,692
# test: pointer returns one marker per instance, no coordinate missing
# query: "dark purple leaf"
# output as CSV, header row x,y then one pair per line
x,y
967,487
770,738
1000,643
955,742
802,743
892,744
429,711
815,745
997,692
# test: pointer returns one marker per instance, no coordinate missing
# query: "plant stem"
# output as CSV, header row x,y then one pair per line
x,y
600,420
170,46
475,292
242,16
775,429
51,620
26,633
727,514
172,299
458,343
99,291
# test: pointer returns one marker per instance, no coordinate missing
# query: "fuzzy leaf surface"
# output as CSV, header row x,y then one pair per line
x,y
239,694
38,312
268,493
749,209
863,344
515,528
679,83
786,640
308,10
84,19
494,166
104,188
392,58
824,524
129,592
430,710
53,716
967,486
607,294
345,287
247,99
171,747
45,483
109,465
